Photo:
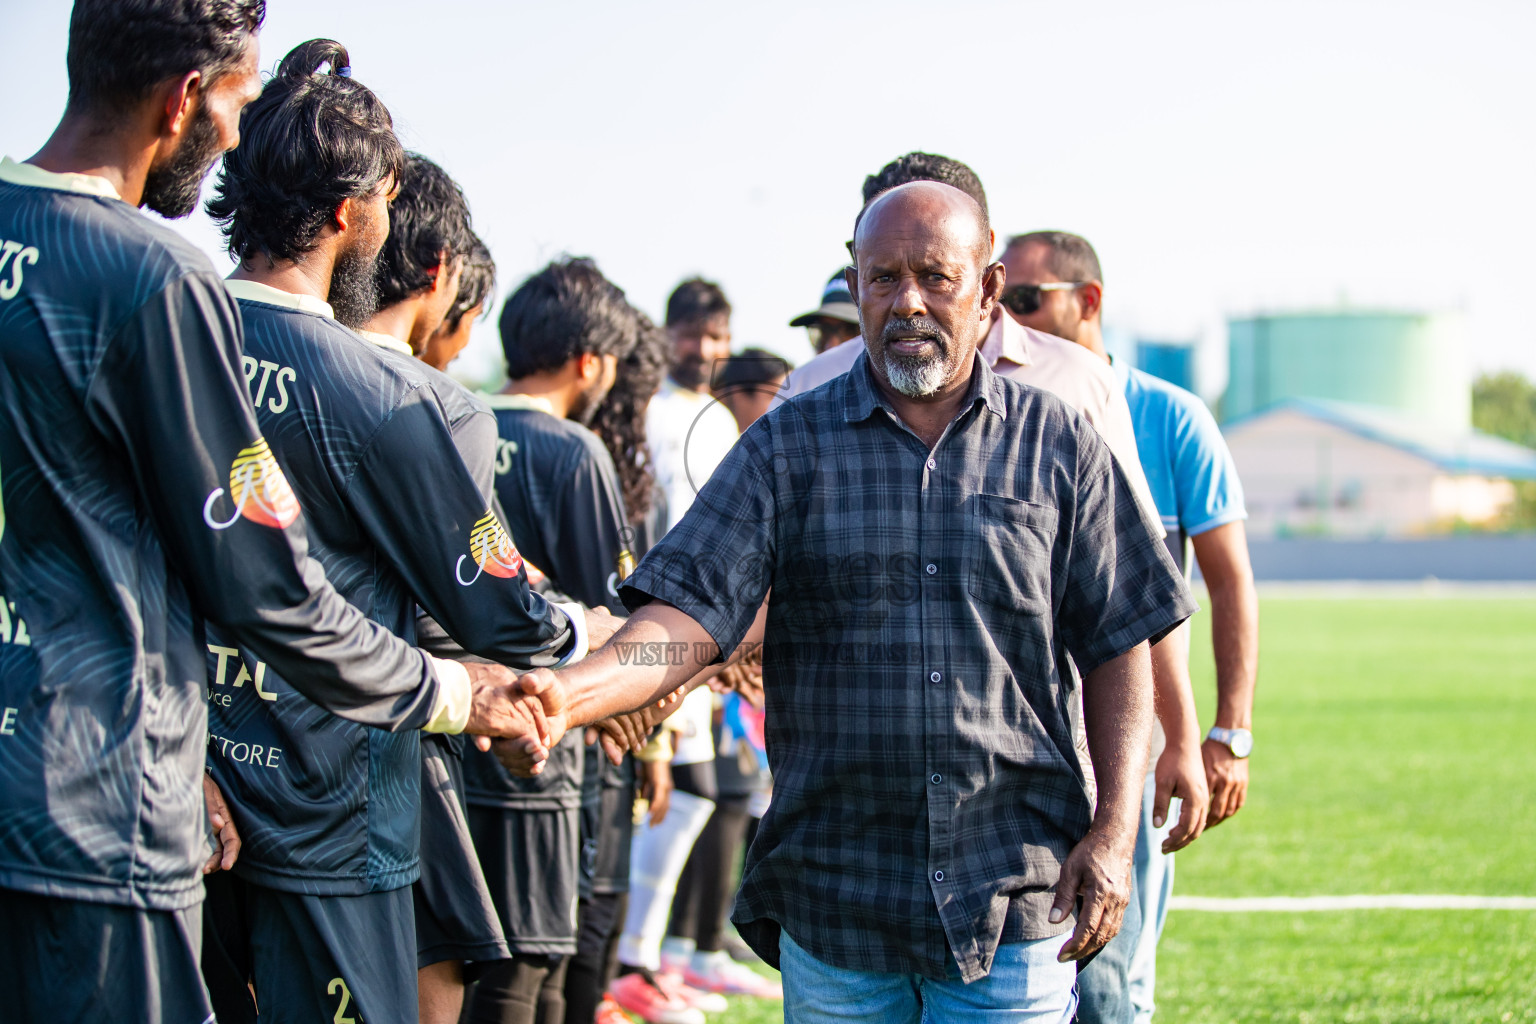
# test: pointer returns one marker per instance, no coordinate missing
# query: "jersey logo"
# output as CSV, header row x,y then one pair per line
x,y
492,551
26,255
258,489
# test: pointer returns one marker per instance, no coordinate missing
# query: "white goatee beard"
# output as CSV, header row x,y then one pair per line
x,y
916,378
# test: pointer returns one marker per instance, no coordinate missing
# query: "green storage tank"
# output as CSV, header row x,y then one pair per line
x,y
1412,362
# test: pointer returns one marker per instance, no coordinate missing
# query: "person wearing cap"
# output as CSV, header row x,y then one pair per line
x,y
835,321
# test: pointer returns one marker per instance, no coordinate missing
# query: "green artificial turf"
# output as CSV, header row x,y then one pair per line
x,y
1382,967
1395,753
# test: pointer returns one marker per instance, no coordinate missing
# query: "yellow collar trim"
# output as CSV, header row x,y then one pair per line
x,y
255,291
388,341
36,177
505,401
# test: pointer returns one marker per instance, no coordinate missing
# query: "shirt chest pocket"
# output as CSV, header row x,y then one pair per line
x,y
1008,552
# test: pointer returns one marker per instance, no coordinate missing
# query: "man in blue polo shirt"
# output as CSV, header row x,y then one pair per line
x,y
1195,487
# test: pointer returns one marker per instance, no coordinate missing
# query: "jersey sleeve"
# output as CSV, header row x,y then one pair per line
x,y
426,513
169,390
1210,494
587,535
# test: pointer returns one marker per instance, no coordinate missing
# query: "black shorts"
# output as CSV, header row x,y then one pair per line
x,y
531,860
310,958
68,961
455,919
607,823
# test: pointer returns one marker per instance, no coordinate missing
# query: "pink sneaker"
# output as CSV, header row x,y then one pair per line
x,y
608,1012
700,999
637,996
717,972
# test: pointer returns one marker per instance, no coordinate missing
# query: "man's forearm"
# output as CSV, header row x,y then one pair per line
x,y
1223,557
1173,697
657,650
1117,716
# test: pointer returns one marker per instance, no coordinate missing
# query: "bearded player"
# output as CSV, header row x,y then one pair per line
x,y
139,489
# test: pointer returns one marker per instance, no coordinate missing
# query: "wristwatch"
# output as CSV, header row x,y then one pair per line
x,y
1239,741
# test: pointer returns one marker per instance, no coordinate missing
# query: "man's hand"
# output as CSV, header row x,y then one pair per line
x,y
223,824
1181,774
744,677
526,711
601,625
631,732
1099,870
520,757
1227,777
656,788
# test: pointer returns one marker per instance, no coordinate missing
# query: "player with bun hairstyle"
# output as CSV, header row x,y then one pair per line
x,y
141,496
320,917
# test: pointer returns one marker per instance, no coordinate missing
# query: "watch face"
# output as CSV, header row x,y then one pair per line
x,y
1242,742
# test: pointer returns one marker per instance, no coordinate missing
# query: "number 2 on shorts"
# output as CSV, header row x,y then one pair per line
x,y
346,1001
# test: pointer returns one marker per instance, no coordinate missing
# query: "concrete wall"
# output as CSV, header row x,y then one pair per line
x,y
1507,558
1302,474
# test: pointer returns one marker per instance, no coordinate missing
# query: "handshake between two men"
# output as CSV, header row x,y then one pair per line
x,y
615,697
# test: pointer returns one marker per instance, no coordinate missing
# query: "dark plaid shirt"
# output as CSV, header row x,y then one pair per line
x,y
925,604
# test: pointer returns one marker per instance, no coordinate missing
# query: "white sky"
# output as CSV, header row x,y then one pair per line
x,y
1222,157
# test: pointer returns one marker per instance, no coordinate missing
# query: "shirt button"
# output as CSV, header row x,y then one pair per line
x,y
932,568
935,778
935,678
938,876
933,463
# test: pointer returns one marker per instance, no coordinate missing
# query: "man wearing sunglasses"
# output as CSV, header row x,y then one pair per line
x,y
1055,284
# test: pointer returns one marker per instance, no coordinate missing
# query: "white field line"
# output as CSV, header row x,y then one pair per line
x,y
1296,904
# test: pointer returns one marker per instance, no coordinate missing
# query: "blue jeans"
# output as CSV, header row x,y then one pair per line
x,y
1026,986
1116,987
1154,885
1103,984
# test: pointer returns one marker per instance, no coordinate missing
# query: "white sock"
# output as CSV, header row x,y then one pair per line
x,y
656,860
708,963
676,948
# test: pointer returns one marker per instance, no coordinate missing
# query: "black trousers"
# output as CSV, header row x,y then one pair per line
x,y
707,887
600,920
528,989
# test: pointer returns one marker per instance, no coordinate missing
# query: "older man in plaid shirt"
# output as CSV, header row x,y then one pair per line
x,y
942,545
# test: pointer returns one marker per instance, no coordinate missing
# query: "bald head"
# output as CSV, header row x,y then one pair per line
x,y
925,285
941,212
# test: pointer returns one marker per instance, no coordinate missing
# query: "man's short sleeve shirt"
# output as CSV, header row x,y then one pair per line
x,y
924,607
1188,465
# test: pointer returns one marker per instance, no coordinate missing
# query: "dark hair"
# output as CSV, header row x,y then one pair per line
x,y
694,300
476,284
311,141
564,310
917,166
620,418
749,368
428,227
1072,258
119,50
